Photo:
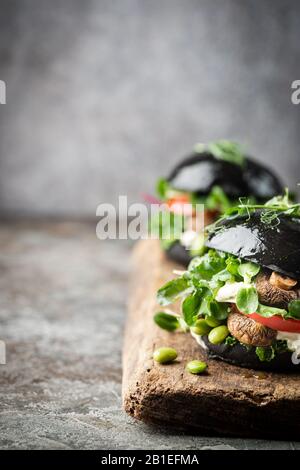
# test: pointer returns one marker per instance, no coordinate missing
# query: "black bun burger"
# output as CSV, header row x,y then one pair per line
x,y
203,170
242,297
216,175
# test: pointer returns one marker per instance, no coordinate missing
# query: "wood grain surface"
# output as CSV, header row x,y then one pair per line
x,y
227,400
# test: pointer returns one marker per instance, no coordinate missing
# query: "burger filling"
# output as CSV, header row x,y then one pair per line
x,y
179,222
256,307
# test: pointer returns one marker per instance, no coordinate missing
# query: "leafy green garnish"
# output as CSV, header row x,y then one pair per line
x,y
162,187
166,321
292,312
172,290
294,309
223,276
190,308
227,151
224,150
217,310
232,265
282,201
205,275
269,212
205,304
268,312
217,200
231,340
248,271
265,354
210,308
247,300
206,266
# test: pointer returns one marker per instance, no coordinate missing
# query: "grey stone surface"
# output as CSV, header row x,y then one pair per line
x,y
104,96
62,309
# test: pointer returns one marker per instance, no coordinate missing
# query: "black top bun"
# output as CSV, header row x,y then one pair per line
x,y
274,245
246,357
200,172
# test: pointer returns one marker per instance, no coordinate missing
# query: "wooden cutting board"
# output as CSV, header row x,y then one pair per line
x,y
227,400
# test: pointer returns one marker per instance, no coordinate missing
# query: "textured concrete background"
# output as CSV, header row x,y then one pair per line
x,y
104,96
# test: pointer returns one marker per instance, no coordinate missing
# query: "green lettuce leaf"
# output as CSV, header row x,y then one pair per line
x,y
265,354
269,312
247,300
172,290
162,187
248,271
294,310
190,308
228,151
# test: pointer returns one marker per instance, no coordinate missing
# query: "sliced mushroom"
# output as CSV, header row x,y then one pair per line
x,y
270,294
282,282
248,331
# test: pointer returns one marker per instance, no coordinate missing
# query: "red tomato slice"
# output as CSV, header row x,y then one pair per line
x,y
176,204
277,323
182,199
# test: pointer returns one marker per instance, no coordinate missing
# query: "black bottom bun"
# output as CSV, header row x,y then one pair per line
x,y
241,356
179,254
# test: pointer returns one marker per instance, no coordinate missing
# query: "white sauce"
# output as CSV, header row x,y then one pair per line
x,y
188,238
292,339
229,292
